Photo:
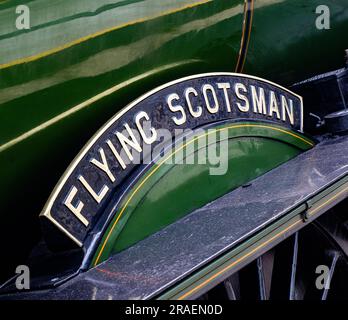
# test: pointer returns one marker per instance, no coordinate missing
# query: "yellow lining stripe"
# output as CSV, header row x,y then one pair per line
x,y
183,146
97,34
310,213
249,33
240,65
260,246
243,35
237,261
90,102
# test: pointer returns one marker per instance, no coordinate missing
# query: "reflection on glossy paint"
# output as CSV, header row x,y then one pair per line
x,y
81,26
116,58
90,102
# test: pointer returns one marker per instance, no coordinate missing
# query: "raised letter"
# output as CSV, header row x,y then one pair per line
x,y
116,154
177,108
241,86
75,210
205,89
224,87
194,113
273,105
147,140
103,165
124,141
288,111
259,102
98,197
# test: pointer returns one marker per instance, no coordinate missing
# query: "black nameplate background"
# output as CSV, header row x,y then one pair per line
x,y
155,105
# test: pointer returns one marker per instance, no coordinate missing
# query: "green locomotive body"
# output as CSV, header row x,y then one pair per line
x,y
81,62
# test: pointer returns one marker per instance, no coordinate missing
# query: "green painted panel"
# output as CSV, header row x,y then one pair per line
x,y
285,44
52,104
84,60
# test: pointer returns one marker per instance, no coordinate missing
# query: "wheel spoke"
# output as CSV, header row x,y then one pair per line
x,y
331,273
265,270
231,285
292,293
290,269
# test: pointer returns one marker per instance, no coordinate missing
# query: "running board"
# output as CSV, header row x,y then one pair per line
x,y
194,254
